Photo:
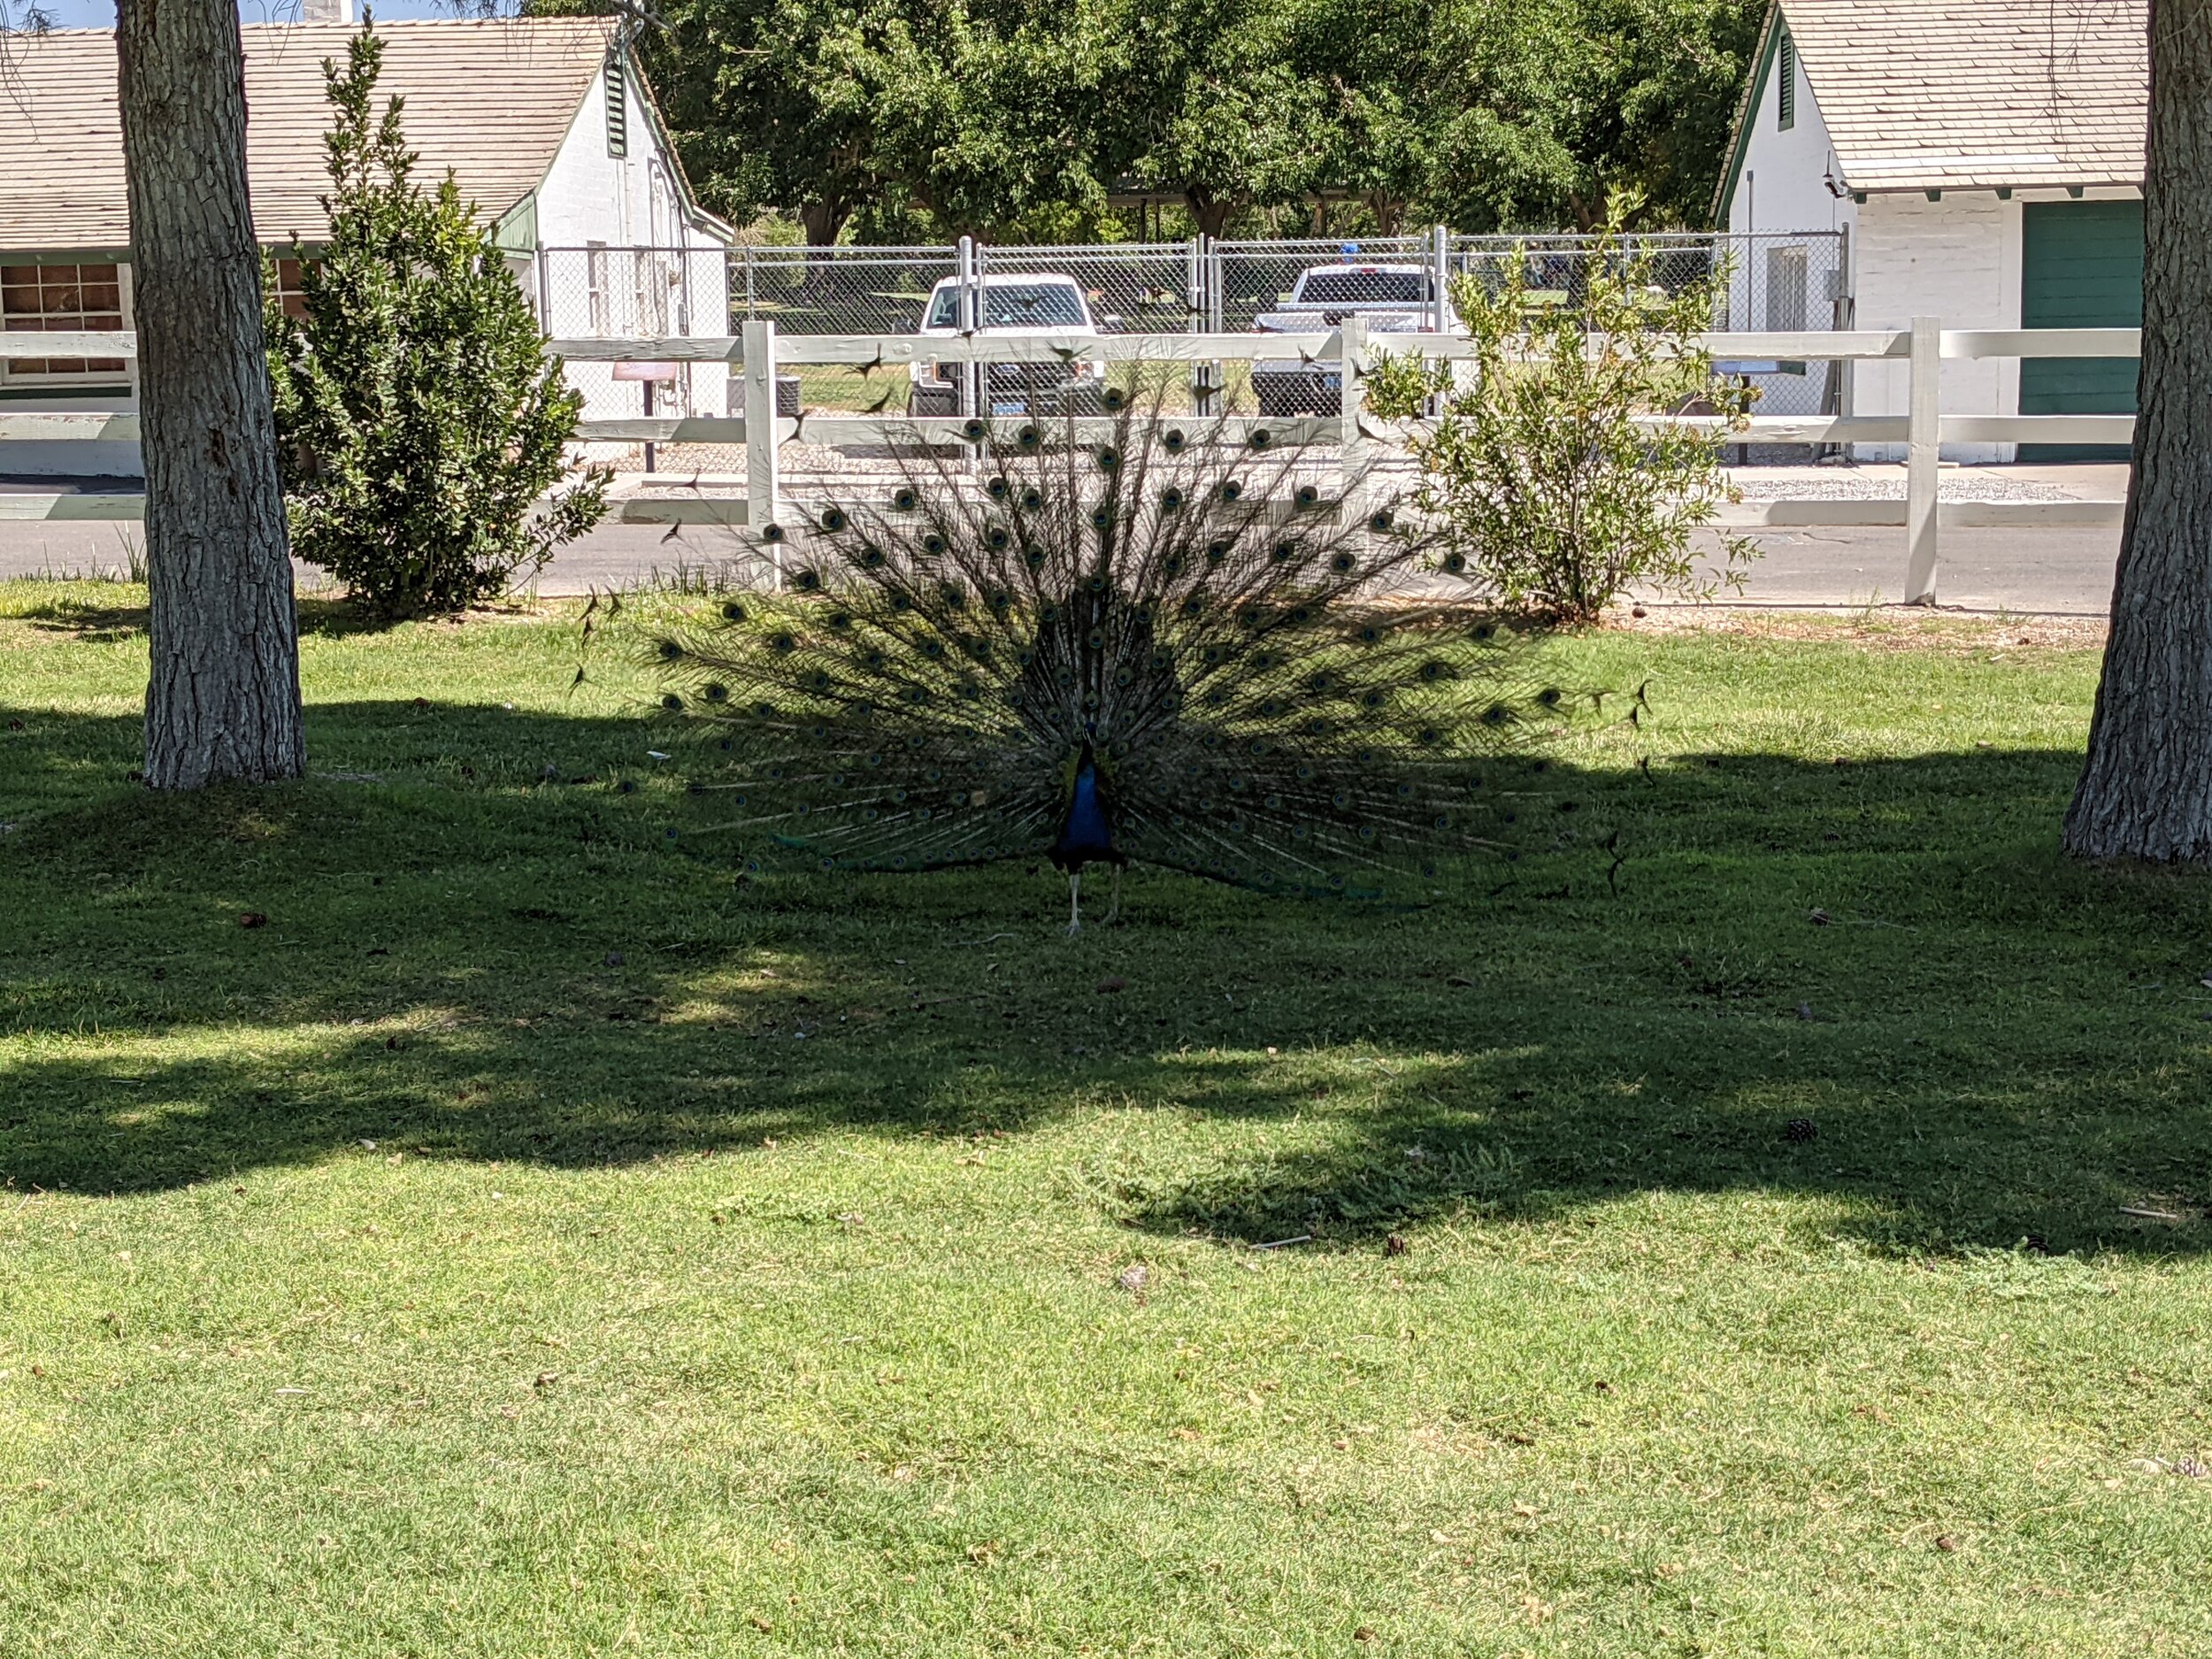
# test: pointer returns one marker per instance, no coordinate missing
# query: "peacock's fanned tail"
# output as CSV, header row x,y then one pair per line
x,y
1273,698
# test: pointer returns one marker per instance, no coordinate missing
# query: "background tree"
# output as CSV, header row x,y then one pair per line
x,y
223,697
2147,790
422,421
1016,119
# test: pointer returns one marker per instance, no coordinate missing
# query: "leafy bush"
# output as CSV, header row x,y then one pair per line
x,y
1556,490
420,420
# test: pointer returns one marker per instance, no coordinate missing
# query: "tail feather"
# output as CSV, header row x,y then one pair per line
x,y
1274,696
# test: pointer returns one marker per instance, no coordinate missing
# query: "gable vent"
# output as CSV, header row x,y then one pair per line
x,y
617,109
1786,67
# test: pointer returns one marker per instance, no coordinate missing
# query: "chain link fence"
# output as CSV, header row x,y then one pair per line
x,y
1768,282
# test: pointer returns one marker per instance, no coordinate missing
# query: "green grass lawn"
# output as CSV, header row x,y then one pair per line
x,y
536,1240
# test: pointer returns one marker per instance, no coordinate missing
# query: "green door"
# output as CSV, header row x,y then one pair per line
x,y
2081,266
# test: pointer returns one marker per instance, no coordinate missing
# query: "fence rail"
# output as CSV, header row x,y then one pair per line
x,y
759,350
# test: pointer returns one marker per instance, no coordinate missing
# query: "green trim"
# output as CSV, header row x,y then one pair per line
x,y
69,256
75,388
1748,115
516,231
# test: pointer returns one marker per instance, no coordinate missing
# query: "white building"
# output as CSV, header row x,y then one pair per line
x,y
546,124
1984,159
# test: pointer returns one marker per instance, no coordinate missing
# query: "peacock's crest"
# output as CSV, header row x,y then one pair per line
x,y
1108,651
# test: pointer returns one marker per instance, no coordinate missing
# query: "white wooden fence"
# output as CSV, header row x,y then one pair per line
x,y
758,354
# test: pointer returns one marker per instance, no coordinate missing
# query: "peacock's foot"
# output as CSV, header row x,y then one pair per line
x,y
1074,928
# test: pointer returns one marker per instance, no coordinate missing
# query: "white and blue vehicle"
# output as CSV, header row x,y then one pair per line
x,y
1392,299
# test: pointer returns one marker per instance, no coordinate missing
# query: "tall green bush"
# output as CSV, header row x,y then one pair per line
x,y
423,426
1558,490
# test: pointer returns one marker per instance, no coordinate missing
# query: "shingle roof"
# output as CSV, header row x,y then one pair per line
x,y
492,100
1921,95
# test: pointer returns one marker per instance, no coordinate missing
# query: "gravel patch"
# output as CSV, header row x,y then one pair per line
x,y
1843,484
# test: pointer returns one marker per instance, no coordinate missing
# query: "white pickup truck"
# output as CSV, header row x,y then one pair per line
x,y
1040,302
1393,299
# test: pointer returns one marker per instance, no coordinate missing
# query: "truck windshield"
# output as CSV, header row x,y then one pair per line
x,y
1014,305
1364,288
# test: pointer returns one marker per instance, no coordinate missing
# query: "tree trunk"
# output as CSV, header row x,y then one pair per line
x,y
223,697
821,221
1211,212
2146,791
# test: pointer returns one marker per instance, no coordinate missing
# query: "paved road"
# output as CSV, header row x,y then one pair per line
x,y
2040,570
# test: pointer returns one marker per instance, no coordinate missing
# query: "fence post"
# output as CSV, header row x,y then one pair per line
x,y
1924,429
970,317
763,483
1439,278
1352,446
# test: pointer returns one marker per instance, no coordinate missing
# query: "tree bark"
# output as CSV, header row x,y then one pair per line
x,y
2146,791
223,700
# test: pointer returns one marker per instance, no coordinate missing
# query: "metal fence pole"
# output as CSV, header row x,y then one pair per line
x,y
970,317
1195,312
1217,375
1923,450
763,484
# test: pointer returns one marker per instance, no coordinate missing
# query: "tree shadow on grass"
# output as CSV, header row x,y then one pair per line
x,y
1876,984
78,613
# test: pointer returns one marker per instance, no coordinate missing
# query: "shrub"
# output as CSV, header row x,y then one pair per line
x,y
1555,490
420,420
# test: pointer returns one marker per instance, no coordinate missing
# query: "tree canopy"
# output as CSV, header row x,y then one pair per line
x,y
1027,120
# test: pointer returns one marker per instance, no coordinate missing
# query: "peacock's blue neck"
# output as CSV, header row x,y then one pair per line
x,y
1085,832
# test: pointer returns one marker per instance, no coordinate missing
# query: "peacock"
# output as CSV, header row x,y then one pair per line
x,y
1108,641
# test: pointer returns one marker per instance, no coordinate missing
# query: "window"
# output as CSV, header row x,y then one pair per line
x,y
1786,70
1364,288
57,299
287,287
617,109
1015,306
1787,291
595,286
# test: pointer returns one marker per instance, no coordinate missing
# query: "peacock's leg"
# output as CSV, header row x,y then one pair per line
x,y
1075,902
1113,903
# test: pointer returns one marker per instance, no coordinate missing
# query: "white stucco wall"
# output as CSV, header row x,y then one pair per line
x,y
1957,259
1784,183
630,202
